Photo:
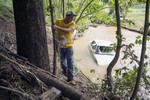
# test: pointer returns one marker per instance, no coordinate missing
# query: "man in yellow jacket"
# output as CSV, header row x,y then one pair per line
x,y
65,28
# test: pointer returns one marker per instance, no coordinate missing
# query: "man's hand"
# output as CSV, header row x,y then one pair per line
x,y
55,27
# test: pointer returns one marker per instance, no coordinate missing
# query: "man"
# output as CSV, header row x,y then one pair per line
x,y
65,28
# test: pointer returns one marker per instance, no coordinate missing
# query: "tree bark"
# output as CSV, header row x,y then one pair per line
x,y
31,32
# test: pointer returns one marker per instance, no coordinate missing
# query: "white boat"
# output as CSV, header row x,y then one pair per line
x,y
102,51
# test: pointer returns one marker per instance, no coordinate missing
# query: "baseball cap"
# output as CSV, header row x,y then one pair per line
x,y
70,13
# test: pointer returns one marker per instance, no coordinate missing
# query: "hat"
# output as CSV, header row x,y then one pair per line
x,y
70,13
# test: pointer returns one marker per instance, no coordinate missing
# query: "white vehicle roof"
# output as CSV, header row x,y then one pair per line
x,y
102,42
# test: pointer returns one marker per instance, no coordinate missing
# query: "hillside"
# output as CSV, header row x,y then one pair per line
x,y
8,49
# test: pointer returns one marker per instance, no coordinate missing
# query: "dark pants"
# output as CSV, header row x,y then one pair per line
x,y
66,57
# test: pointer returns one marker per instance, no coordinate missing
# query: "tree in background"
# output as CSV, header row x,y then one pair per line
x,y
141,63
31,32
118,47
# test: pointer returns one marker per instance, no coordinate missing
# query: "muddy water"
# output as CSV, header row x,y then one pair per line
x,y
83,58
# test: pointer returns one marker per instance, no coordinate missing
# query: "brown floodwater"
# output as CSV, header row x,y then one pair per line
x,y
83,58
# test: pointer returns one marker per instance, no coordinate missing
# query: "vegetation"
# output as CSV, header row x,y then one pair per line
x,y
6,10
125,77
123,83
119,43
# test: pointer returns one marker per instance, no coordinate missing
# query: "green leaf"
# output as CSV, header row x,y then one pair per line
x,y
138,37
131,45
148,38
147,80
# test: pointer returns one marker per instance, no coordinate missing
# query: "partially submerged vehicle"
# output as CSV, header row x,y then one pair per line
x,y
102,51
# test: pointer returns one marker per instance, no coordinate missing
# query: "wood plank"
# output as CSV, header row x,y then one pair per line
x,y
51,94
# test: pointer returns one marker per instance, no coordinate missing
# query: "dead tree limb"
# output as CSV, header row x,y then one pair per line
x,y
133,30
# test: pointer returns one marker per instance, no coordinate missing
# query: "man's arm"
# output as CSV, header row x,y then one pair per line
x,y
66,30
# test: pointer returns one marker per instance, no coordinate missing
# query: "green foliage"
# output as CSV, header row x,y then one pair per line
x,y
131,45
6,10
98,11
125,77
6,2
46,7
128,22
47,20
141,1
95,7
102,17
56,10
139,40
82,25
148,38
124,82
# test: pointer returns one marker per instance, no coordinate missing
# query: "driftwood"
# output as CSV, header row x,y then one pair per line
x,y
47,79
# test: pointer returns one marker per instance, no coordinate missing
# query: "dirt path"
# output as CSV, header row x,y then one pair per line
x,y
84,60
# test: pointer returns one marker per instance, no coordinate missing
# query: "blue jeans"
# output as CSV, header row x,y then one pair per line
x,y
66,57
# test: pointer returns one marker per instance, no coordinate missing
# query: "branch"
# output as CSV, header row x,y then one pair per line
x,y
93,12
128,51
84,10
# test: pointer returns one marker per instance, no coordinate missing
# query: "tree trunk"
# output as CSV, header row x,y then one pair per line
x,y
31,32
141,64
63,8
119,42
54,42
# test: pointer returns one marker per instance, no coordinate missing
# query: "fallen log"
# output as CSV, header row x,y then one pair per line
x,y
130,29
66,89
49,80
134,30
